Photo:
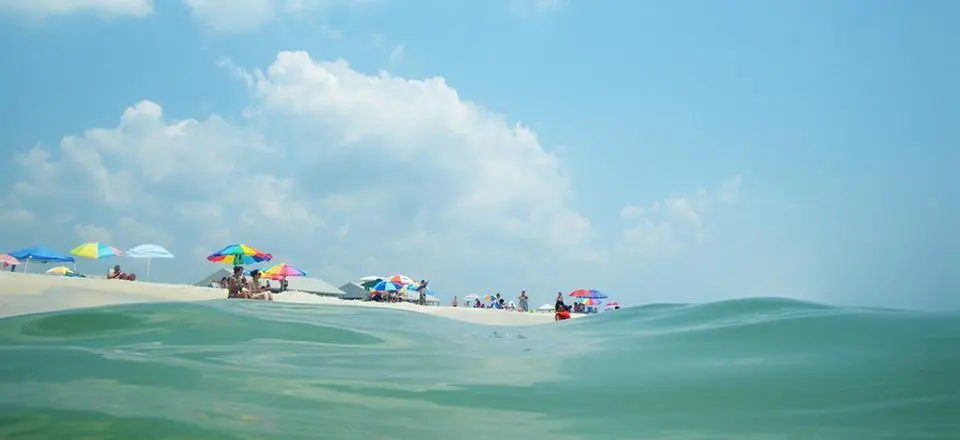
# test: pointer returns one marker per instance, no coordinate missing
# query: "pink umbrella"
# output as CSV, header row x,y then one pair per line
x,y
613,304
8,260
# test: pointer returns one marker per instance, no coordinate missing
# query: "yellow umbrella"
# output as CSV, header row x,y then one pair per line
x,y
61,270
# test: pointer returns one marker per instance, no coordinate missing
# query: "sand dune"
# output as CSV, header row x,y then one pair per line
x,y
35,293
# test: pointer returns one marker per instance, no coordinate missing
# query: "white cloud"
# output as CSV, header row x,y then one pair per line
x,y
17,215
246,15
394,163
408,176
455,162
330,32
666,226
398,53
103,8
233,15
91,233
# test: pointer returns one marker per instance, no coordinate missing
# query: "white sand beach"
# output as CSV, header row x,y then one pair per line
x,y
36,293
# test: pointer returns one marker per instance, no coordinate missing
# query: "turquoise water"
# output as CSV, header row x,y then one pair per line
x,y
743,369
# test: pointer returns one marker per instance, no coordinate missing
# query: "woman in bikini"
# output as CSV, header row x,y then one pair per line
x,y
254,289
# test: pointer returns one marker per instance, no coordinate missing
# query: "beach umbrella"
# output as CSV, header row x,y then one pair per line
x,y
368,284
149,252
61,270
401,280
489,297
612,304
588,293
282,271
386,286
96,251
239,254
415,289
589,301
8,260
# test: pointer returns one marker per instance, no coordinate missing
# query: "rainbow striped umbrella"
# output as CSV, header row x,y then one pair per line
x,y
588,293
590,301
96,251
238,254
282,271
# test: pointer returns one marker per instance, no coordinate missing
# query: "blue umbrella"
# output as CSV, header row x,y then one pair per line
x,y
386,286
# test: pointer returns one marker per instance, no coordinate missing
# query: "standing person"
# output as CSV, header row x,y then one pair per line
x,y
523,300
560,304
454,301
422,291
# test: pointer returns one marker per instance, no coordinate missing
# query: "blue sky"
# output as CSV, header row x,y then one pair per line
x,y
669,151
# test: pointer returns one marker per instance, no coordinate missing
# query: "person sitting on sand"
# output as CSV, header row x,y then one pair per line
x,y
116,274
254,290
562,314
235,284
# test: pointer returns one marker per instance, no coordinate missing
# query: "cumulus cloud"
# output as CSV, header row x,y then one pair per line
x,y
103,8
667,225
91,233
398,53
398,167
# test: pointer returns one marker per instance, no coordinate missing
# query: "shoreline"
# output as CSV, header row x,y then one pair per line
x,y
22,294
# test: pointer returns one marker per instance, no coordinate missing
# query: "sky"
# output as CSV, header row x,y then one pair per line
x,y
683,151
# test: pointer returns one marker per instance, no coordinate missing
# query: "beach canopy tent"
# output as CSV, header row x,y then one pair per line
x,y
353,291
546,308
315,286
40,255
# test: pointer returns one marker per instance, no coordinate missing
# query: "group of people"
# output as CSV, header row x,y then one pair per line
x,y
522,303
239,286
400,295
114,273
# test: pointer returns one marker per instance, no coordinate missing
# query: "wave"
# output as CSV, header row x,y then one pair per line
x,y
746,368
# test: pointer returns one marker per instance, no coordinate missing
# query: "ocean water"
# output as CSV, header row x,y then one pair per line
x,y
742,369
